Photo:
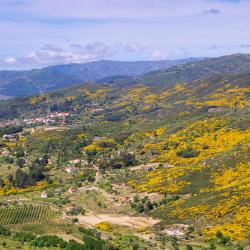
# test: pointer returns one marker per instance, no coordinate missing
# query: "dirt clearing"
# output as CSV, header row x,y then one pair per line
x,y
136,222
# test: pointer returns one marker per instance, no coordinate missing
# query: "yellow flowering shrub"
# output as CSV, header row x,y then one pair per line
x,y
82,136
208,137
150,99
135,94
190,212
233,231
70,98
97,94
93,148
100,145
160,131
163,180
104,226
13,190
220,200
9,144
37,99
237,178
179,88
231,213
231,98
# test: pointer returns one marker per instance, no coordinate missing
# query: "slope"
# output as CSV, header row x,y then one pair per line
x,y
208,69
196,133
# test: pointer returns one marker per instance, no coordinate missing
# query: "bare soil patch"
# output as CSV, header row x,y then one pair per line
x,y
136,222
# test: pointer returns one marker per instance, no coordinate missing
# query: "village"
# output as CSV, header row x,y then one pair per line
x,y
51,118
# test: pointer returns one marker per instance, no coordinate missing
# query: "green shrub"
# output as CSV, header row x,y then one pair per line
x,y
188,153
4,231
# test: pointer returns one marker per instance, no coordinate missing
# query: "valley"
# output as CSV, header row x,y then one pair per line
x,y
156,161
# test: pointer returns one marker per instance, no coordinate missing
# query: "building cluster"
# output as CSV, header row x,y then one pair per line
x,y
9,137
9,123
51,118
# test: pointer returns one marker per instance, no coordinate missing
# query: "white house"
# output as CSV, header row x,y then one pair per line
x,y
70,170
72,190
44,195
76,161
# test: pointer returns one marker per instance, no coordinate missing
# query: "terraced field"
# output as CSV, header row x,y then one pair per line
x,y
26,214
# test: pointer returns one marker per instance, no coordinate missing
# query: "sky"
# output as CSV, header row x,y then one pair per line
x,y
38,33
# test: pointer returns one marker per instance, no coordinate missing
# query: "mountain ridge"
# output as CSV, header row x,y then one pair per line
x,y
205,69
24,83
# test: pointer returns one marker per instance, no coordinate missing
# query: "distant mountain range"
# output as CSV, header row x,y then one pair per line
x,y
121,74
212,69
200,79
24,83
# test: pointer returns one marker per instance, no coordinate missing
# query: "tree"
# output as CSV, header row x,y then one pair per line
x,y
74,220
140,208
136,246
8,160
149,205
19,152
129,159
1,182
136,198
21,178
4,231
10,178
37,174
222,238
72,245
212,245
20,162
92,243
174,243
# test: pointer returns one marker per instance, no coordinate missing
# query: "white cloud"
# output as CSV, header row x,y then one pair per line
x,y
52,55
158,55
76,46
133,47
10,61
51,47
98,49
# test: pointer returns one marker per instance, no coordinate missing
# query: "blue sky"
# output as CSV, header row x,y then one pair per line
x,y
37,33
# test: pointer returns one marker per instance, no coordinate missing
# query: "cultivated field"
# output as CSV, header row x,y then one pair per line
x,y
26,214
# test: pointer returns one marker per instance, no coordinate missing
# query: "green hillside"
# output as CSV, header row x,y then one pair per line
x,y
173,149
